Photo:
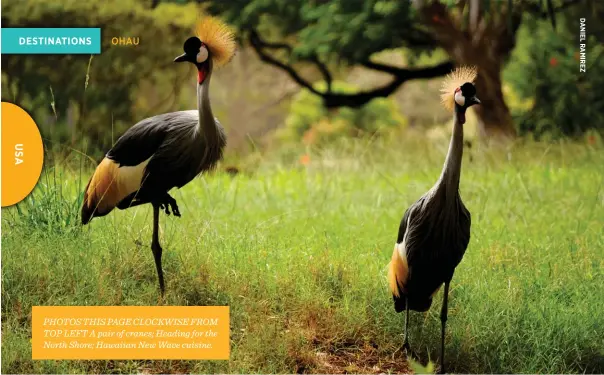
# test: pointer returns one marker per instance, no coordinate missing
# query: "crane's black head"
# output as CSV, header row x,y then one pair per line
x,y
465,95
197,53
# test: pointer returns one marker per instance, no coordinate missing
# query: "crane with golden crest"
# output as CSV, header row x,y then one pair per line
x,y
435,231
168,150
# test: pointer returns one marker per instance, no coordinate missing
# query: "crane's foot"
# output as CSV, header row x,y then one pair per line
x,y
168,204
409,352
165,207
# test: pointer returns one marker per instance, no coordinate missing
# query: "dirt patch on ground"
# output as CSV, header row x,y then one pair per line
x,y
355,363
354,360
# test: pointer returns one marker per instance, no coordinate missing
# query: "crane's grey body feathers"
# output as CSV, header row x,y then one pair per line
x,y
175,149
152,157
434,241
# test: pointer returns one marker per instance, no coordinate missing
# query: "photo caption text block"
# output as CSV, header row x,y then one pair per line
x,y
130,332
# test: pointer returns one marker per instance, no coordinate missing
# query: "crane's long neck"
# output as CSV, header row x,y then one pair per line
x,y
449,178
207,125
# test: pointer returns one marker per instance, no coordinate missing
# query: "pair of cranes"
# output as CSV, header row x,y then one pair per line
x,y
169,150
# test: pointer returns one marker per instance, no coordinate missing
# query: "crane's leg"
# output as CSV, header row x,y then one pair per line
x,y
406,347
156,248
406,344
443,320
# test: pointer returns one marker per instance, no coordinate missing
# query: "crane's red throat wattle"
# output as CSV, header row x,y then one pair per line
x,y
202,72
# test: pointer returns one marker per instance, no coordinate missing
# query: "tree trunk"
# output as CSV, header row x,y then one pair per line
x,y
485,43
494,118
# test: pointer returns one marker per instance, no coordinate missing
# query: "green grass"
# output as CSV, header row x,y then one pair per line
x,y
300,255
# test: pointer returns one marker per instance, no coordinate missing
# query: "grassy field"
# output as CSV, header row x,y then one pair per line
x,y
299,252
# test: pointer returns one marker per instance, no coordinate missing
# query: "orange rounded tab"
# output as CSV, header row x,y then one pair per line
x,y
22,154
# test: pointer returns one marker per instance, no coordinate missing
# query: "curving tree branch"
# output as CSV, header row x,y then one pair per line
x,y
335,100
272,45
401,75
260,45
324,70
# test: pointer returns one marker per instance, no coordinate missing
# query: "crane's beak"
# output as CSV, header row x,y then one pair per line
x,y
181,58
476,100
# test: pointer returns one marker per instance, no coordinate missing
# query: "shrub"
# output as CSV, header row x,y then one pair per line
x,y
310,122
545,67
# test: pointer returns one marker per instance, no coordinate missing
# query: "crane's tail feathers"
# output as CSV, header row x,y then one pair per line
x,y
102,193
398,271
399,303
109,184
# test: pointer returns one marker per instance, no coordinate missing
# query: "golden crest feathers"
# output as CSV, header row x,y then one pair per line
x,y
218,37
454,80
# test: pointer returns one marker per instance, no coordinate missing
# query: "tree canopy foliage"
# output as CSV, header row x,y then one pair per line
x,y
330,30
323,33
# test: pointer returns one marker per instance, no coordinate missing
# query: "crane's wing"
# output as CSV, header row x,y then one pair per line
x,y
403,226
122,170
463,238
186,152
142,140
431,243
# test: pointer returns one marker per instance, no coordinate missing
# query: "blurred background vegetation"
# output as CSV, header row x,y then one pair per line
x,y
311,71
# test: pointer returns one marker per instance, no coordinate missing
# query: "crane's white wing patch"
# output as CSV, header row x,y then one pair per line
x,y
402,247
111,183
130,178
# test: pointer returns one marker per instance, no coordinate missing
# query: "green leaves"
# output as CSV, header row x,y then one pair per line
x,y
418,368
347,30
311,123
545,68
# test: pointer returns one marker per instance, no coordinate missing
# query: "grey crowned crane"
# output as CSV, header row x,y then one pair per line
x,y
435,231
168,150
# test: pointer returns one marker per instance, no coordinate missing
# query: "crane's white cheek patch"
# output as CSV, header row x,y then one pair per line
x,y
130,178
202,55
460,99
